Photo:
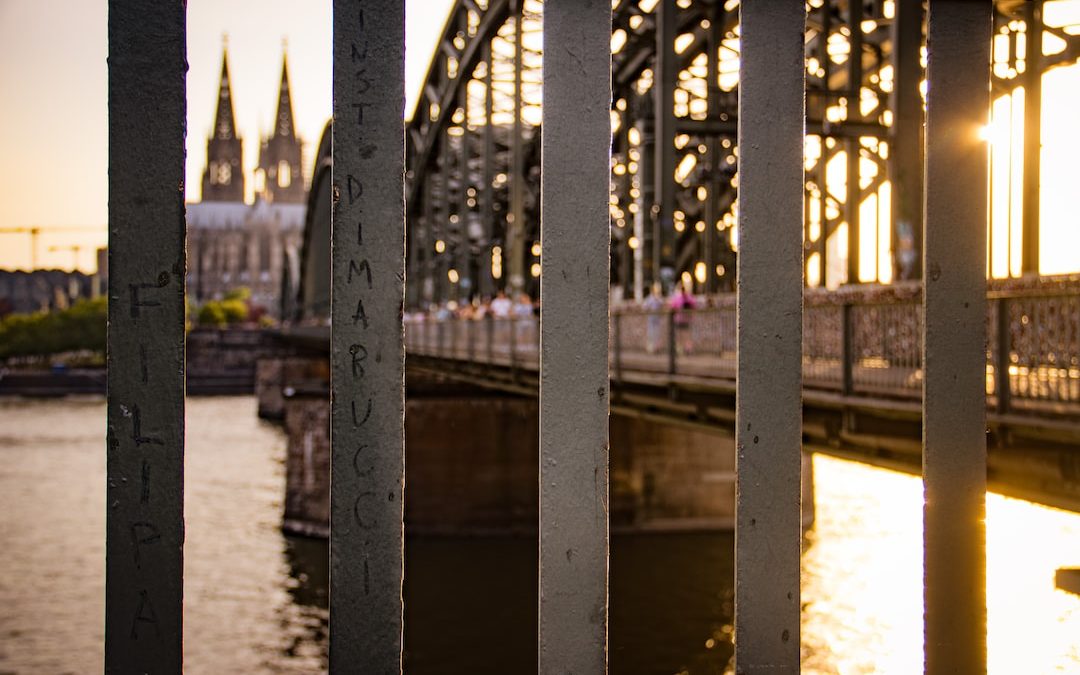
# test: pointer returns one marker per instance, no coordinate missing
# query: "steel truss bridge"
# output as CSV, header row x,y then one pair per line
x,y
472,194
473,146
473,210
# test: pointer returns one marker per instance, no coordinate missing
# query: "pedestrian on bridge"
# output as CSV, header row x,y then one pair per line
x,y
523,316
501,306
654,306
683,304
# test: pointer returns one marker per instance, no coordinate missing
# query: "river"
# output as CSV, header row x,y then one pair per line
x,y
255,600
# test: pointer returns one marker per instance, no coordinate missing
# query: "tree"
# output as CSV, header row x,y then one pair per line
x,y
81,327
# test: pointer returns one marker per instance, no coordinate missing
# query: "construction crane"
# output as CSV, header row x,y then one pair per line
x,y
75,250
36,230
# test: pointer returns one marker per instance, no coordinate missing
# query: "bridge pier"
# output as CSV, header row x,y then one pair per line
x,y
277,379
471,464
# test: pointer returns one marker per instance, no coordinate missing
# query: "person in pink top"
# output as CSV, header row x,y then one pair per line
x,y
682,304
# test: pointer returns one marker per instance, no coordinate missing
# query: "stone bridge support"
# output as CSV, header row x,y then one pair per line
x,y
471,466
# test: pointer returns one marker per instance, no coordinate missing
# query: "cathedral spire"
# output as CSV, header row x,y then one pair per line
x,y
283,123
223,178
281,171
224,121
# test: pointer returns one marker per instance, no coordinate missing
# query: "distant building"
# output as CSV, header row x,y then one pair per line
x,y
41,290
232,243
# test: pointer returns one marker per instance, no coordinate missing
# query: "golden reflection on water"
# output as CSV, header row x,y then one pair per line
x,y
862,578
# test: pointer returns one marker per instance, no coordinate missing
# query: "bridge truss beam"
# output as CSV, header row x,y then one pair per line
x,y
473,144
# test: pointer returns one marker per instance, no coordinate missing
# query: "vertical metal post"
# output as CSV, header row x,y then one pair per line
x,y
847,351
442,222
854,148
1002,384
427,269
646,257
768,436
672,343
712,182
470,331
144,559
905,144
367,355
487,192
823,185
665,77
954,336
463,262
511,322
412,253
855,65
1032,136
822,173
623,254
575,238
618,345
851,208
454,240
514,245
453,324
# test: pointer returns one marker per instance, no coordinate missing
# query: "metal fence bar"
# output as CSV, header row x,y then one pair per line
x,y
847,351
1002,357
144,559
673,342
367,355
768,434
575,242
617,346
954,336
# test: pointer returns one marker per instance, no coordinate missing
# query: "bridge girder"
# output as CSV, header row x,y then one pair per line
x,y
472,185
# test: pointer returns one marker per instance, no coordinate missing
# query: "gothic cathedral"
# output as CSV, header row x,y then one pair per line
x,y
234,244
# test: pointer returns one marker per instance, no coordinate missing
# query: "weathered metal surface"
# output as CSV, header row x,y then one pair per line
x,y
768,433
367,356
145,513
575,242
954,336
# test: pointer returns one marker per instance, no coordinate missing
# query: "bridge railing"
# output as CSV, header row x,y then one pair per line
x,y
1042,357
867,348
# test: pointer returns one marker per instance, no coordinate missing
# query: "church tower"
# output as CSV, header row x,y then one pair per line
x,y
281,171
223,178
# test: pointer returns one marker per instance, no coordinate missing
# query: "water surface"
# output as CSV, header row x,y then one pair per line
x,y
256,600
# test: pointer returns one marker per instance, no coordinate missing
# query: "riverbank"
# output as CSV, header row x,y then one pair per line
x,y
52,383
58,383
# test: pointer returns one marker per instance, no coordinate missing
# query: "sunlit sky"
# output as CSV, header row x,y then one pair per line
x,y
54,120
